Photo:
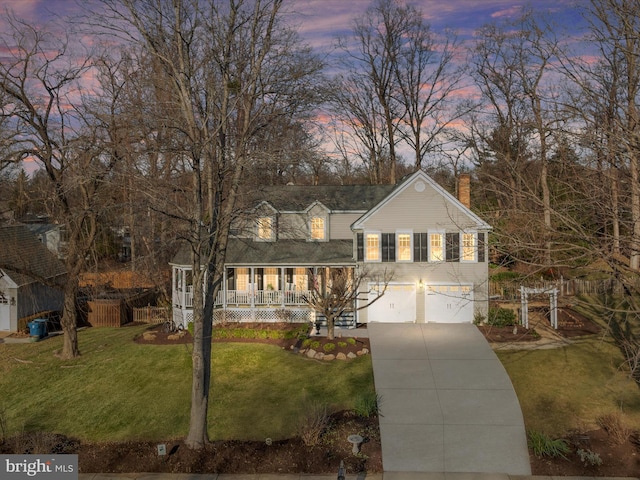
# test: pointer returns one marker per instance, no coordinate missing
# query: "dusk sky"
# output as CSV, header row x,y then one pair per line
x,y
320,21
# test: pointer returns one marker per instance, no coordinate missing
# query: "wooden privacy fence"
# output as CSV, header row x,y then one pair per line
x,y
117,309
107,313
150,314
510,290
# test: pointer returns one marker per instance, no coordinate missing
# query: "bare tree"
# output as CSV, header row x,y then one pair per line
x,y
512,68
40,80
228,70
335,291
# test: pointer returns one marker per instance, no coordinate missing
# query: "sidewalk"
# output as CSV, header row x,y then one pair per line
x,y
378,476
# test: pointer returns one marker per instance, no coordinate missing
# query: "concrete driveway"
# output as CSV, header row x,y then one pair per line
x,y
447,403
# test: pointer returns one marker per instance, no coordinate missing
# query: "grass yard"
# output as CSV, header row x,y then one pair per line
x,y
119,390
568,388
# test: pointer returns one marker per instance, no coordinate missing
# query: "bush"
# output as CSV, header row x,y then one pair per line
x,y
367,405
313,424
589,458
329,347
233,331
544,446
342,344
613,424
506,276
478,318
501,317
351,341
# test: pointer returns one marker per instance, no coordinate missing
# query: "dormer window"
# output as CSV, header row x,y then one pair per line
x,y
265,229
317,228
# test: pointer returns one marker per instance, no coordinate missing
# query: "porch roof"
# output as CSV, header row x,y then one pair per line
x,y
289,252
246,252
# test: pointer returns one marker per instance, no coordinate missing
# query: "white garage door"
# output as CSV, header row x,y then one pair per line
x,y
449,303
5,312
398,304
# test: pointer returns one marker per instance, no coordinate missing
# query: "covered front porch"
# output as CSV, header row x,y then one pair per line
x,y
255,293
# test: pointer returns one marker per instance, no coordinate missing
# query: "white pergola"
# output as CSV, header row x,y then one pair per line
x,y
553,304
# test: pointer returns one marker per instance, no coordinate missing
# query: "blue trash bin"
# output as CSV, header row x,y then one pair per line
x,y
38,328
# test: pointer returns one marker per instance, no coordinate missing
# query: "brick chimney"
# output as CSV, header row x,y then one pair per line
x,y
464,189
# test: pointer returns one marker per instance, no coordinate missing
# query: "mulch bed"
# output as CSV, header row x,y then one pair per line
x,y
495,334
231,457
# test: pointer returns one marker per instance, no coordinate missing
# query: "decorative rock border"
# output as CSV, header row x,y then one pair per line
x,y
328,357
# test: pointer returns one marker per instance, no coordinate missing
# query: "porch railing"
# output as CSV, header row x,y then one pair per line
x,y
247,298
262,297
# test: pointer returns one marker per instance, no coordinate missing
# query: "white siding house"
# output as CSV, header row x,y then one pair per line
x,y
434,245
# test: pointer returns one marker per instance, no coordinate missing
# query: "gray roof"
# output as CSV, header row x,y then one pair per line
x,y
283,252
296,198
289,252
24,258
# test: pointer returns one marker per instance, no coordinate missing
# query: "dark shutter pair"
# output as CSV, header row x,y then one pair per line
x,y
420,247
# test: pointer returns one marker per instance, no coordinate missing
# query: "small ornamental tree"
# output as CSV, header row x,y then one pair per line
x,y
336,291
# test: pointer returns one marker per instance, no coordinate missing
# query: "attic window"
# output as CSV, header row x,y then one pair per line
x,y
265,229
317,227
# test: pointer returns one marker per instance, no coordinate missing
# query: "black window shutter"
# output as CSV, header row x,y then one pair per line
x,y
388,247
481,243
453,247
420,247
360,246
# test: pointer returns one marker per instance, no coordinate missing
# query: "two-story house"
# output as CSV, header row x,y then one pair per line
x,y
432,243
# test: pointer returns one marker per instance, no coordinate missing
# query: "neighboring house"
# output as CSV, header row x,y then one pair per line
x,y
28,275
433,244
52,236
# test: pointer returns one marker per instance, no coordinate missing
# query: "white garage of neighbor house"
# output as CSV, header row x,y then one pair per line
x,y
433,244
28,275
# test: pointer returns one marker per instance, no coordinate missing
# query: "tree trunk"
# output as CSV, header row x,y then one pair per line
x,y
198,436
69,321
331,326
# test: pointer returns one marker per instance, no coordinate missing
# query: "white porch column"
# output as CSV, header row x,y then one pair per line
x,y
283,285
224,288
524,307
252,293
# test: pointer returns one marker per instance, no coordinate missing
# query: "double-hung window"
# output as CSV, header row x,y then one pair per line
x,y
265,229
468,247
317,228
436,246
372,247
404,248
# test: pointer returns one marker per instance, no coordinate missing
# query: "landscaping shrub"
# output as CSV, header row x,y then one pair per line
x,y
545,446
342,344
226,331
351,341
367,404
329,347
614,425
313,423
501,317
589,458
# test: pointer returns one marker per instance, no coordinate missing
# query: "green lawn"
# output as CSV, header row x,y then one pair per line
x,y
568,388
118,390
